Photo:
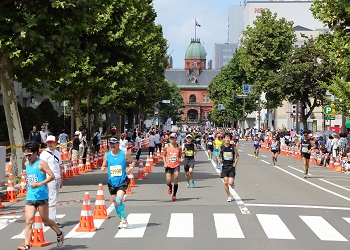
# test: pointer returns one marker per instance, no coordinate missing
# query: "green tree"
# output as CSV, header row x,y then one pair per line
x,y
265,47
304,78
336,16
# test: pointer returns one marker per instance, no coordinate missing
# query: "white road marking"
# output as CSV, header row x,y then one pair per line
x,y
181,225
266,162
322,228
347,219
264,156
331,183
274,227
298,206
6,220
137,224
249,154
227,226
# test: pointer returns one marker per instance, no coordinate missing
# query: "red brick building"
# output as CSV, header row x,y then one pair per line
x,y
193,82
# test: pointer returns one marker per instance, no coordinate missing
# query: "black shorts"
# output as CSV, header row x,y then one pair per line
x,y
172,170
228,172
210,147
305,155
36,203
188,163
274,151
123,186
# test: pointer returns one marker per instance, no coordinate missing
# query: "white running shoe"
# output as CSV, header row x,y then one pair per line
x,y
230,198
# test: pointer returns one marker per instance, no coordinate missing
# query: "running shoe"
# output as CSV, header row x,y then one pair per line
x,y
230,198
305,175
192,183
170,191
60,239
187,185
23,247
173,198
217,166
123,223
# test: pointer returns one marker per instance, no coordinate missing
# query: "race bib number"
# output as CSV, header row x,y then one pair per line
x,y
228,156
189,153
304,150
256,142
210,143
172,159
32,179
116,170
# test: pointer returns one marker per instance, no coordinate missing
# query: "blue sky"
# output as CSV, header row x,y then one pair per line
x,y
177,19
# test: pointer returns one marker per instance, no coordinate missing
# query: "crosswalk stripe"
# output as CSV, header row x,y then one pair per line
x,y
347,219
181,225
7,219
274,227
227,226
137,224
21,234
322,228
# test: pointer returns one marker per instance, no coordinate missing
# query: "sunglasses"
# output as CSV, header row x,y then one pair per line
x,y
28,155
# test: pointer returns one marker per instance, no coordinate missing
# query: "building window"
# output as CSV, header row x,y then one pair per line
x,y
206,99
193,98
205,115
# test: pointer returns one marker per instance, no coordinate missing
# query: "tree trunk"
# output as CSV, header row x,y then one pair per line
x,y
78,121
13,119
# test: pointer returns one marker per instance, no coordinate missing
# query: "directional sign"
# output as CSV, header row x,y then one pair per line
x,y
221,107
247,89
329,117
165,101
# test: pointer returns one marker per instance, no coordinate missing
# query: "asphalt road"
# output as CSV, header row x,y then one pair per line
x,y
274,208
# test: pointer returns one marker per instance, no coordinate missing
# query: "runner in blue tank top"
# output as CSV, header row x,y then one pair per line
x,y
38,175
116,162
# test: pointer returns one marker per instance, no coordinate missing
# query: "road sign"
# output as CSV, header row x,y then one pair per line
x,y
328,110
165,101
329,117
156,111
247,89
221,107
141,116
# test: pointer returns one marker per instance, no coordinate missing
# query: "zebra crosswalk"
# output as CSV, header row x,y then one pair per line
x,y
226,226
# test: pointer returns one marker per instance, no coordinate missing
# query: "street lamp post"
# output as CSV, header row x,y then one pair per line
x,y
243,113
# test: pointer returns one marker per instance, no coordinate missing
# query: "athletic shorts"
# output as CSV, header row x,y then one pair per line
x,y
274,151
38,203
172,170
228,172
256,146
216,151
211,148
123,186
188,163
305,155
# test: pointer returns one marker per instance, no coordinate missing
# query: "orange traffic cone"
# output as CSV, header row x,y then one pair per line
x,y
86,223
23,188
331,162
9,167
151,161
96,160
140,174
337,164
158,156
63,172
1,206
88,167
75,167
81,166
69,171
128,189
11,194
100,210
38,239
148,168
132,179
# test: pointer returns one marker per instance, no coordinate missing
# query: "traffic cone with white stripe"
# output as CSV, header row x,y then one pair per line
x,y
148,167
23,188
132,179
141,173
86,223
88,167
81,166
9,167
38,239
100,210
69,172
11,194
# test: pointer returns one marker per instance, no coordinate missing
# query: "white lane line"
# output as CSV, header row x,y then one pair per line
x,y
137,224
322,228
21,234
312,184
227,226
264,156
181,225
336,185
250,154
6,220
266,162
347,219
238,200
298,206
97,225
274,227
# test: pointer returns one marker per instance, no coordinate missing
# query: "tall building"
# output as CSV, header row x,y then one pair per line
x,y
235,22
193,82
222,54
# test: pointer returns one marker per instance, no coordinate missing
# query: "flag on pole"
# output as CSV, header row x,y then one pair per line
x,y
197,24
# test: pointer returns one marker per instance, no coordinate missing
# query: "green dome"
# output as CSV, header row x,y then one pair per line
x,y
195,50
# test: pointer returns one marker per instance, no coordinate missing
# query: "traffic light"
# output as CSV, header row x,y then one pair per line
x,y
172,102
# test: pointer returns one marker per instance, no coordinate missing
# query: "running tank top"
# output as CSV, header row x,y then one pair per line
x,y
35,175
305,146
256,141
116,168
274,145
172,156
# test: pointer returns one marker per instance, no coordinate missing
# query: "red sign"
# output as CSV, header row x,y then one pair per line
x,y
258,10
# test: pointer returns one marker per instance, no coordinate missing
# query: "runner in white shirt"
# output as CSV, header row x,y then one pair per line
x,y
138,145
152,143
157,141
123,145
